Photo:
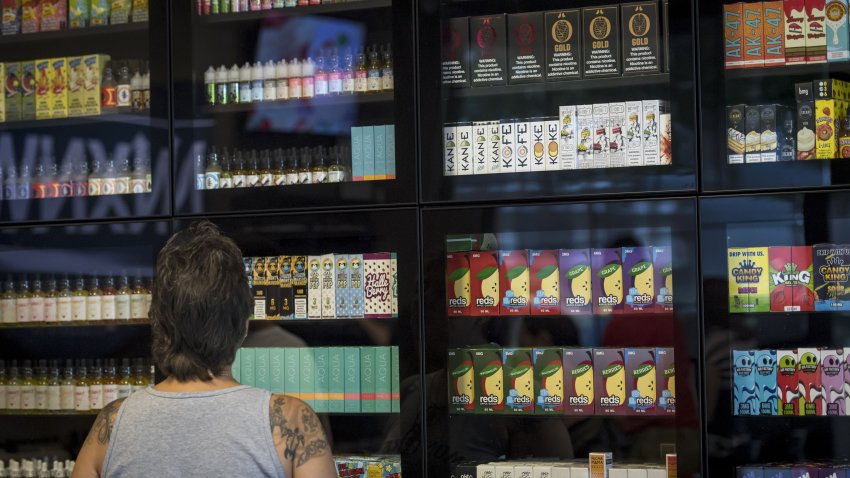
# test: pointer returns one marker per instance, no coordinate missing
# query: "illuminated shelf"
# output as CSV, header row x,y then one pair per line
x,y
317,102
334,9
574,86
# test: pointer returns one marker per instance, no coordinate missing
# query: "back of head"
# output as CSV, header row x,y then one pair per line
x,y
201,302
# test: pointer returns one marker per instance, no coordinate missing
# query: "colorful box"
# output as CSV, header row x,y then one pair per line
x,y
367,379
639,275
284,292
357,168
99,12
262,379
563,45
44,89
383,380
745,396
78,13
368,153
508,137
519,377
341,286
307,375
551,145
748,280
752,125
832,381
545,282
652,111
753,35
328,277
774,33
665,367
828,115
578,375
377,285
336,380
11,16
94,65
733,35
769,133
766,383
380,152
522,147
484,276
568,144
538,145
601,136
464,149
576,284
665,147
322,379
461,381
791,281
787,383
815,31
395,380
247,367
277,370
662,263
514,284
607,283
299,287
352,380
549,380
806,124
355,285
641,384
837,38
809,378
795,31
599,464
259,288
831,266
272,288
394,283
617,139
30,16
736,136
291,371
584,134
610,381
489,383
76,79
314,287
54,15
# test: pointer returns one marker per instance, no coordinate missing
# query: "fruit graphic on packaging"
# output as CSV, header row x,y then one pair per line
x,y
832,381
809,378
639,276
484,274
786,382
578,368
745,396
641,385
766,382
662,264
519,375
576,288
610,381
607,281
832,276
490,380
748,280
665,367
791,281
549,380
461,382
458,283
514,283
545,283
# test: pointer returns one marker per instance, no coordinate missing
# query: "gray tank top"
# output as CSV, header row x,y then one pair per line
x,y
205,434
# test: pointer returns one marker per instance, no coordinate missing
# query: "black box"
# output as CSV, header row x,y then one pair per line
x,y
563,45
736,136
286,309
272,287
752,127
526,47
455,52
488,50
640,38
601,28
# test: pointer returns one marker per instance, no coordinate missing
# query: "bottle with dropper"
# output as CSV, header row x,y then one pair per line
x,y
226,180
245,94
63,301
334,75
82,401
387,72
54,387
212,175
27,387
122,299
23,302
94,306
361,83
78,300
51,301
13,388
36,301
321,76
308,85
41,385
95,385
252,174
66,387
108,309
348,73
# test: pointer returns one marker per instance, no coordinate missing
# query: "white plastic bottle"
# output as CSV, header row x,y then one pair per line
x,y
245,94
221,96
209,85
269,83
308,81
233,92
257,93
295,81
282,81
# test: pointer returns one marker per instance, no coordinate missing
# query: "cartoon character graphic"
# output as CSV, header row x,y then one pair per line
x,y
746,396
766,384
832,381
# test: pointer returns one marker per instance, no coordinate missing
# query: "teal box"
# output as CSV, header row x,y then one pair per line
x,y
235,367
356,296
380,152
291,362
320,402
357,154
352,379
276,370
336,380
367,379
100,12
368,153
395,385
247,367
383,380
261,369
341,270
390,151
307,380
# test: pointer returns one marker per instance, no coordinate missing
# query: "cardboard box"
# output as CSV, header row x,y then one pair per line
x,y
480,148
377,279
607,277
552,155
752,125
259,287
396,380
514,284
30,16
610,381
394,283
355,285
831,266
276,370
753,35
490,387
383,373
748,280
765,371
336,380
380,139
522,147
652,111
585,130
343,308
837,36
568,144
320,399
12,75
815,31
307,375
368,153
641,385
791,279
488,50
484,276
745,396
666,380
11,15
352,380
576,287
314,287
795,31
769,133
662,262
29,88
828,112
545,282
519,377
526,48
601,27
54,15
600,464
100,12
538,145
806,137
774,33
634,133
832,381
78,13
390,151
299,287
272,288
463,150
284,293
455,51
76,80
494,150
262,379
508,146
367,379
461,381
357,168
617,139
786,378
44,89
601,136
248,366
291,371
641,48
549,380
328,274
666,141
639,280
563,45
578,374
449,150
809,377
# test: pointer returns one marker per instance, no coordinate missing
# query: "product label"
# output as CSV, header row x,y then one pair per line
x,y
526,47
563,44
488,50
601,41
455,52
640,38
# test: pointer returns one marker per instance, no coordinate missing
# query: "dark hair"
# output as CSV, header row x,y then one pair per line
x,y
201,303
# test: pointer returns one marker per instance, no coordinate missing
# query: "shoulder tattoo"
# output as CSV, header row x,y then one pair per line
x,y
101,431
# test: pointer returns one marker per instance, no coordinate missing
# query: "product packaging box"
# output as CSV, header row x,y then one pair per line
x,y
480,148
831,266
607,285
394,284
563,45
733,35
806,138
610,381
736,137
508,146
745,398
568,145
276,370
44,89
272,288
545,282
666,142
322,380
584,135
752,125
576,287
463,149
769,133
356,297
343,309
262,378
748,280
832,381
377,285
617,138
76,78
766,383
368,153
494,142
488,50
551,144
100,12
774,33
78,13
809,378
30,16
461,381
666,380
634,133
639,276
395,381
538,144
837,37
662,263
11,109
599,464
828,106
641,384
54,15
380,138
526,48
652,111
601,136
284,292
358,172
791,279
328,274
514,283
795,31
485,471
815,31
578,374
455,52
390,151
601,27
549,381
383,381
336,380
352,380
484,277
259,288
753,35
641,47
299,287
248,366
307,375
449,150
519,375
236,367
489,383
314,287
291,374
522,146
787,383
11,17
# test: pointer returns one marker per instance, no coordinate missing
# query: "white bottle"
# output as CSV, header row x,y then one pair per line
x,y
245,94
51,304
257,92
136,101
22,304
8,308
233,92
269,83
209,85
282,80
146,92
221,90
94,308
307,72
295,82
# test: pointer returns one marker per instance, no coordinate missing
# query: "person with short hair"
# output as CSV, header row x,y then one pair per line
x,y
199,421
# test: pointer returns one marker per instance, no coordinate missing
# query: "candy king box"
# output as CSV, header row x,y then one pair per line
x,y
514,283
791,280
576,286
748,280
662,264
641,381
610,381
519,380
768,398
578,375
607,288
639,276
484,276
809,378
745,397
490,380
831,265
665,369
832,381
786,382
458,283
545,282
549,380
461,381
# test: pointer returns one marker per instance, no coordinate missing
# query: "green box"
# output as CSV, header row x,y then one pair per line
x,y
336,380
276,370
291,362
320,402
307,377
390,151
380,152
247,367
367,379
489,380
461,378
383,382
99,12
395,382
368,153
78,13
261,369
235,367
352,380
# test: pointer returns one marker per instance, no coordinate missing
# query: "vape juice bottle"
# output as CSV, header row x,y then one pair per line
x,y
200,171
321,77
8,300
319,169
38,184
291,171
374,73
334,75
51,183
109,178
36,301
266,171
95,386
252,172
387,72
66,387
27,387
93,302
140,378
137,300
123,174
24,182
233,85
226,179
78,300
239,180
63,301
22,304
282,80
125,383
110,383
212,175
108,91
295,81
221,90
279,176
13,388
80,178
136,101
245,94
269,82
304,171
361,74
257,92
51,301
10,183
124,97
41,384
348,73
308,84
108,308
54,387
122,299
139,178
66,180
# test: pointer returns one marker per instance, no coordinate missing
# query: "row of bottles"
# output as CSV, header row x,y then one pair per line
x,y
325,75
215,7
277,167
76,177
124,92
78,300
82,385
38,468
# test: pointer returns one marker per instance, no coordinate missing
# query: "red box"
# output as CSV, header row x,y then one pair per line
x,y
545,283
458,283
485,283
514,283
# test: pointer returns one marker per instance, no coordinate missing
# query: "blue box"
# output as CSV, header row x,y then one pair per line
x,y
368,153
261,369
247,367
276,370
745,396
390,151
235,367
343,308
356,295
766,384
351,368
367,379
357,171
320,402
336,380
291,362
380,152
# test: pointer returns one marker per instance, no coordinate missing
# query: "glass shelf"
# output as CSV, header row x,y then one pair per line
x,y
333,9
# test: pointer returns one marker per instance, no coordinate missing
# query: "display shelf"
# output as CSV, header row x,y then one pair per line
x,y
317,102
532,417
103,33
548,87
331,9
324,322
66,325
788,71
142,120
47,413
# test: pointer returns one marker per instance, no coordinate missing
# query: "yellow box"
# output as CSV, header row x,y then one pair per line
x,y
43,89
3,94
93,66
76,77
826,120
59,85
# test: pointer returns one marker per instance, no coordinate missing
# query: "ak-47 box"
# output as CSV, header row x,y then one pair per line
x,y
526,48
563,44
641,50
601,28
733,35
455,52
488,45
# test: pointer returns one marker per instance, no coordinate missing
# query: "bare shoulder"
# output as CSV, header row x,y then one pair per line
x,y
297,431
101,431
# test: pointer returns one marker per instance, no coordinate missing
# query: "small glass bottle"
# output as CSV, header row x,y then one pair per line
x,y
10,183
226,179
108,91
221,89
82,400
252,174
148,299
305,175
140,378
96,386
22,304
374,73
122,299
348,73
41,385
122,177
266,171
282,80
269,82
279,168
334,75
110,178
146,91
136,101
66,180
233,85
308,81
245,94
291,165
64,309
108,308
257,92
54,387
200,170
319,170
37,184
239,180
78,301
67,386
320,77
51,301
36,301
110,383
24,182
27,387
137,299
139,179
361,74
94,306
2,384
212,175
336,172
8,302
295,82
125,383
81,178
124,96
13,387
387,72
95,178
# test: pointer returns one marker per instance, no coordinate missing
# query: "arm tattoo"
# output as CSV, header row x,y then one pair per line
x,y
316,447
101,431
310,420
293,438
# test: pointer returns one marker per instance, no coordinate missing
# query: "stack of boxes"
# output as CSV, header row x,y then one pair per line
x,y
597,465
32,16
329,379
373,153
368,466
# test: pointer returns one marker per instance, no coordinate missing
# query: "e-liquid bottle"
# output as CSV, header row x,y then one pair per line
x,y
94,306
13,388
256,5
239,180
10,183
233,85
122,299
361,84
27,387
81,178
51,301
243,6
200,170
95,178
387,72
290,3
66,388
122,178
291,171
3,381
140,378
54,387
139,178
308,81
374,74
63,301
278,4
257,91
235,6
266,172
95,386
348,73
224,7
321,77
78,300
109,179
267,4
336,172
319,170
214,7
8,302
295,83
37,186
252,174
136,101
41,385
221,89
137,300
24,182
23,302
125,383
279,168
245,94
51,184
212,175
305,173
110,383
108,308
226,179
66,180
108,91
282,81
124,97
148,299
146,90
269,82
36,301
334,76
